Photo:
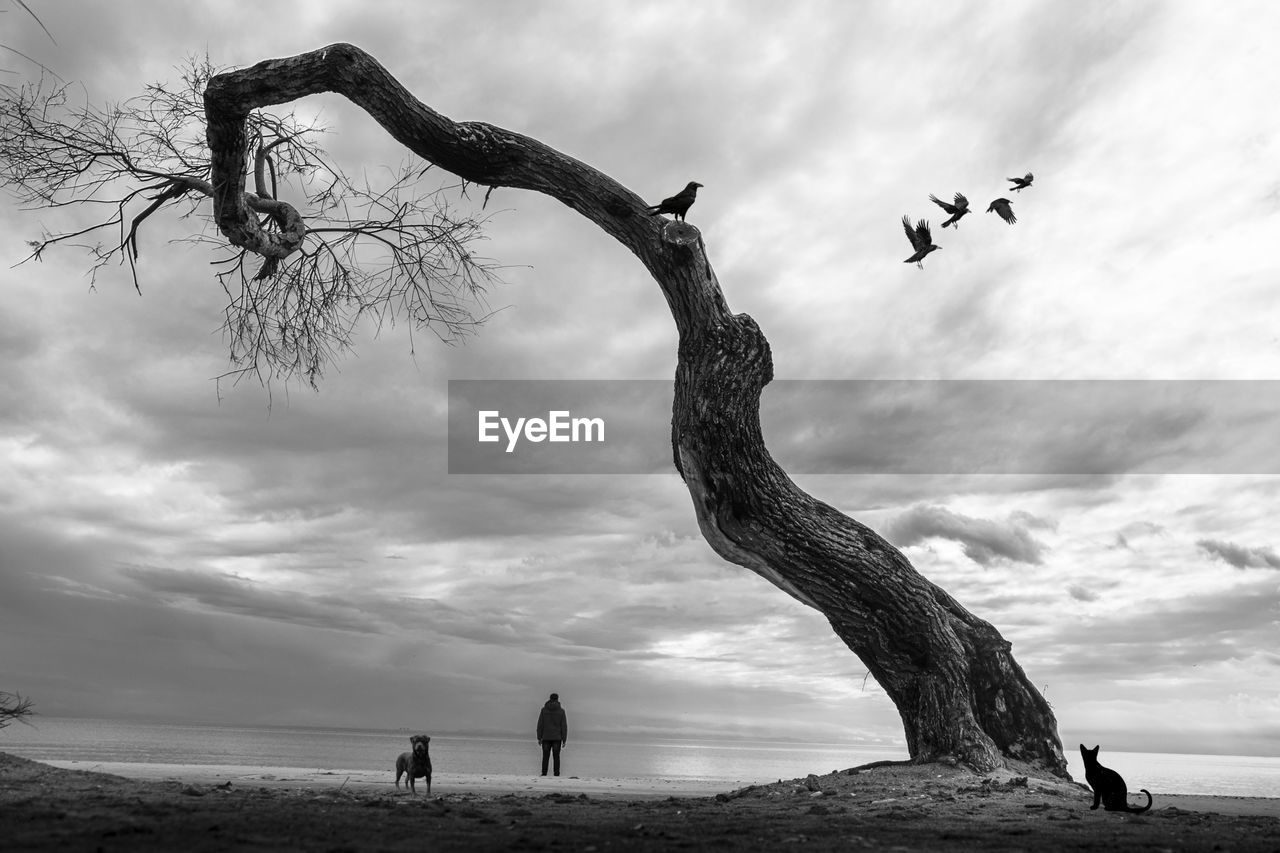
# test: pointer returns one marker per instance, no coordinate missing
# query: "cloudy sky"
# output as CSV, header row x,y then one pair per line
x,y
176,548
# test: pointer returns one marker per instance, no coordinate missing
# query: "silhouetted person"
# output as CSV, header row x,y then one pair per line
x,y
678,205
921,241
957,210
1002,207
1021,183
553,731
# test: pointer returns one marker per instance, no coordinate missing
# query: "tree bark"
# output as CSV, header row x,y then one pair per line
x,y
953,678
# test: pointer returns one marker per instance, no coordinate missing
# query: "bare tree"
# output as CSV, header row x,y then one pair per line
x,y
959,691
14,707
394,249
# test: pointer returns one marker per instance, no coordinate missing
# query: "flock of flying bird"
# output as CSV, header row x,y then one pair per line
x,y
922,240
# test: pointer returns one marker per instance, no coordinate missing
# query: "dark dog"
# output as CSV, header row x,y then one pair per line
x,y
415,763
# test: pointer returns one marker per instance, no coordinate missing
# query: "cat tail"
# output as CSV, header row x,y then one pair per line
x,y
1147,807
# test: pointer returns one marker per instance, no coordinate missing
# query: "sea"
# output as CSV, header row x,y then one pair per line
x,y
733,763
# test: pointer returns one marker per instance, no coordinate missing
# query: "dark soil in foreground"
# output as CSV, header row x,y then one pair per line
x,y
890,808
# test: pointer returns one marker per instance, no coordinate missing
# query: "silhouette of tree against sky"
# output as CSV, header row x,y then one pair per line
x,y
958,690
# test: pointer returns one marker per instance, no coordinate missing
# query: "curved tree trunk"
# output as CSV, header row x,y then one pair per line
x,y
951,675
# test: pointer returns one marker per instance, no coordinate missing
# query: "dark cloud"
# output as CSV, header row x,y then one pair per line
x,y
1081,593
1032,521
1168,636
242,596
1140,529
1240,556
1059,427
983,541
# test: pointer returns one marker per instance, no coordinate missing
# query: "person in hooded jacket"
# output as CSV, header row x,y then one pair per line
x,y
553,731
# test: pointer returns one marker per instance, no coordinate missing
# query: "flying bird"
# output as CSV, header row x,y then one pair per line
x,y
1021,183
957,210
678,205
1001,206
921,241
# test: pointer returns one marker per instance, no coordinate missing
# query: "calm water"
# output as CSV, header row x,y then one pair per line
x,y
63,739
733,763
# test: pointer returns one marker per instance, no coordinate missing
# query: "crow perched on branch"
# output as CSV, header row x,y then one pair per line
x,y
1021,183
921,241
679,204
957,210
1002,207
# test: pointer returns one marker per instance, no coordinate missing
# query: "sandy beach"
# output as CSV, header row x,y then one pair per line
x,y
526,786
384,780
930,807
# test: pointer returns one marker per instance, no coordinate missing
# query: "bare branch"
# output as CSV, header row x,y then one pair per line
x,y
395,250
22,5
14,707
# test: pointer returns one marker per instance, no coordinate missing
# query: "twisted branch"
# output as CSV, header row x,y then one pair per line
x,y
295,310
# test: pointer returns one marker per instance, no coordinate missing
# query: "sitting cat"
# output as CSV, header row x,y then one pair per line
x,y
1108,786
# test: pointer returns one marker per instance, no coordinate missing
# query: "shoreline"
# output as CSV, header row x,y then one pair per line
x,y
623,788
449,784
